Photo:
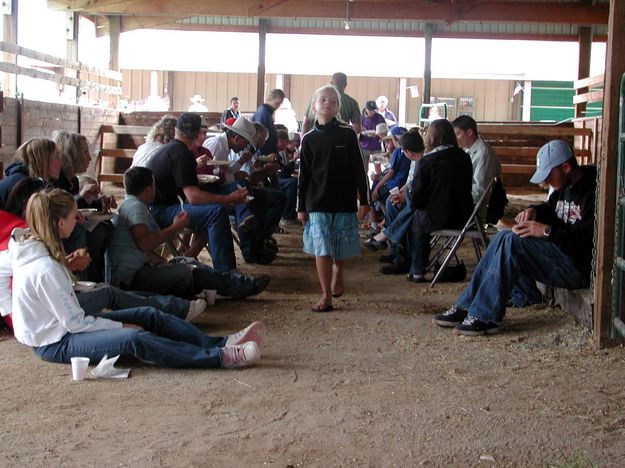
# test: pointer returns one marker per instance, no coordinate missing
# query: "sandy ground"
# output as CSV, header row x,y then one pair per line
x,y
372,384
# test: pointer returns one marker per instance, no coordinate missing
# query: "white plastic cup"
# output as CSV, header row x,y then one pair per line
x,y
79,367
394,191
210,295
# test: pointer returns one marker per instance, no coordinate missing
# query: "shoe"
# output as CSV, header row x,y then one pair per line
x,y
451,317
375,245
195,309
260,283
395,269
242,355
386,258
253,332
248,225
473,327
416,278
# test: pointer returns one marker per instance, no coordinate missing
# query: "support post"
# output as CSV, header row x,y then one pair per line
x,y
606,212
260,80
9,34
427,69
583,70
114,30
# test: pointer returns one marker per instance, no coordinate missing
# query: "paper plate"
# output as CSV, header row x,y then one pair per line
x,y
84,286
207,178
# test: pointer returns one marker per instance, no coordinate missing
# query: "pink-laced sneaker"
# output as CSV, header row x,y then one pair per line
x,y
242,355
253,332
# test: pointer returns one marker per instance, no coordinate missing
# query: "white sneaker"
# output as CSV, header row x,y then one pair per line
x,y
253,332
242,355
195,309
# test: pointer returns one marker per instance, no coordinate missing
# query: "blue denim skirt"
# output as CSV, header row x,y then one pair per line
x,y
332,235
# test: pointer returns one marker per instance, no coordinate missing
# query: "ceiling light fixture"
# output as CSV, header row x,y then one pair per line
x,y
347,15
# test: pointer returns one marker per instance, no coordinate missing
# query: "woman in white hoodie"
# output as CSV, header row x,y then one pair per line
x,y
47,316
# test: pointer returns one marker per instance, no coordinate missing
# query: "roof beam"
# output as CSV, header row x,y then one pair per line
x,y
449,11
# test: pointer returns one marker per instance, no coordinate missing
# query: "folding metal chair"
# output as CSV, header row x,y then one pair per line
x,y
473,229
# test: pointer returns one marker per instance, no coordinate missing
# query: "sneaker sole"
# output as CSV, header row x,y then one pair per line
x,y
255,334
492,331
444,324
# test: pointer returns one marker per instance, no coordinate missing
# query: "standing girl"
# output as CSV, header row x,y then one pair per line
x,y
332,178
48,317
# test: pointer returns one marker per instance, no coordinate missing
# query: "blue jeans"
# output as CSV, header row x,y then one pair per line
x,y
241,210
110,297
397,220
288,185
214,219
165,341
511,261
185,277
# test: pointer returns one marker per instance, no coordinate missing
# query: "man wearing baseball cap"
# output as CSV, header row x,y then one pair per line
x,y
551,243
175,172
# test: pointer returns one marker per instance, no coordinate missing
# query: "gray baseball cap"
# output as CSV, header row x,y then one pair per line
x,y
549,156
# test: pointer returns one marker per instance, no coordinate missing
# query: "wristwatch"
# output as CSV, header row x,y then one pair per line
x,y
547,231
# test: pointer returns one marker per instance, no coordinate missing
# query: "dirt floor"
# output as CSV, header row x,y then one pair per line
x,y
372,384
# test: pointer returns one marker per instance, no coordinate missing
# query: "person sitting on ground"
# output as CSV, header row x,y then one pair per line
x,y
175,171
48,318
551,243
382,103
486,166
39,158
102,296
440,194
232,112
161,133
133,264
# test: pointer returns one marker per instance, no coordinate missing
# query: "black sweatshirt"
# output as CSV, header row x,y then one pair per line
x,y
442,188
331,170
571,215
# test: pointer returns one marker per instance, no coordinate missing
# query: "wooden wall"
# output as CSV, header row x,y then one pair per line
x,y
491,97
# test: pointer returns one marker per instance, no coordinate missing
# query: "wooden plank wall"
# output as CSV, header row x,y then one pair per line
x,y
492,97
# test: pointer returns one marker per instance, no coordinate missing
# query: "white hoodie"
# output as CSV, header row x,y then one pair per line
x,y
44,304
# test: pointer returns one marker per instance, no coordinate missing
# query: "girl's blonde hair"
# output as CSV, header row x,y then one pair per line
x,y
36,154
43,212
332,89
70,149
163,130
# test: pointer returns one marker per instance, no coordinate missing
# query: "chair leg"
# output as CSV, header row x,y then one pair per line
x,y
452,252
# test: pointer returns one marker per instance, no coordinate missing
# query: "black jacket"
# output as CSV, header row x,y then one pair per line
x,y
331,170
14,172
571,215
442,188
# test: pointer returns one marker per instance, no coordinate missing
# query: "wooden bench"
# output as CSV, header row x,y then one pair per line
x,y
517,144
106,153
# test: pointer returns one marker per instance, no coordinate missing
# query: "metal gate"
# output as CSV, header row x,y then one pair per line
x,y
618,323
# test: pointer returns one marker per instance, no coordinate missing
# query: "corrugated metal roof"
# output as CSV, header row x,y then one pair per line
x,y
393,26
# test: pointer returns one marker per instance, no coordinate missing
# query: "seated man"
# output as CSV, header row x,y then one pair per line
x,y
286,182
440,194
486,166
175,171
132,263
551,243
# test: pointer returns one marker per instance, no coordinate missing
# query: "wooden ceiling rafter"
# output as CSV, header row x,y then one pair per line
x,y
514,11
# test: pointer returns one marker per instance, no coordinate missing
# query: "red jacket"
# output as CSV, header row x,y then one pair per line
x,y
8,222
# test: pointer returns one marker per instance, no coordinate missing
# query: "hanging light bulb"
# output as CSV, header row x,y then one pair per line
x,y
347,15
346,25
